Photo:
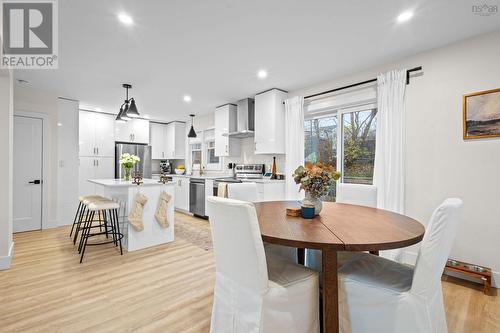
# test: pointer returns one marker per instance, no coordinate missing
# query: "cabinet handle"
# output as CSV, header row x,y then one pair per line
x,y
97,150
94,162
133,135
94,150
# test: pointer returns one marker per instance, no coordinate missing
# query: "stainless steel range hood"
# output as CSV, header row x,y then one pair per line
x,y
245,117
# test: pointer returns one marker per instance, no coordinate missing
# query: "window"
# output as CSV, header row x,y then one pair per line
x,y
213,162
321,143
195,155
321,140
343,138
359,129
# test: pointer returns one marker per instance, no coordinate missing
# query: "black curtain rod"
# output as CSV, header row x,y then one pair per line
x,y
416,69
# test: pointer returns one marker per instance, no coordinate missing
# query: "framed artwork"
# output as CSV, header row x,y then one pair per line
x,y
481,112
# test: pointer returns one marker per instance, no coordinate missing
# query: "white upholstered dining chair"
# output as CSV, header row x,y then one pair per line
x,y
252,293
353,194
357,194
380,295
248,192
243,191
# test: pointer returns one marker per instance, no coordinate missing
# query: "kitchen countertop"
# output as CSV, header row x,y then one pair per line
x,y
123,183
259,181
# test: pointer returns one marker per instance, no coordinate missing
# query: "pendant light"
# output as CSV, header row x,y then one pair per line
x,y
128,109
122,117
192,133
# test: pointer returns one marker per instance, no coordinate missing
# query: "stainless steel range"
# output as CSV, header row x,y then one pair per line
x,y
241,172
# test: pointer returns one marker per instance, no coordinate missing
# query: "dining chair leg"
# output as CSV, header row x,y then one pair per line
x,y
301,256
330,291
376,253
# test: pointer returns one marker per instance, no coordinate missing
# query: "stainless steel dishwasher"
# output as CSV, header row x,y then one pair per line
x,y
197,197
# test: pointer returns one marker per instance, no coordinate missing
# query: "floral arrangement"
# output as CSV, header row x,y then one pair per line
x,y
128,161
316,179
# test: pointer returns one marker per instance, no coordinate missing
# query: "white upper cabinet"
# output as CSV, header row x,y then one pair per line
x,y
134,130
270,122
94,168
176,140
226,122
158,141
105,134
96,134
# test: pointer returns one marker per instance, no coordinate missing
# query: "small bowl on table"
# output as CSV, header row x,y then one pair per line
x,y
180,171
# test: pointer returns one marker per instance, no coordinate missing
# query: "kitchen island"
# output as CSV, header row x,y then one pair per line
x,y
125,192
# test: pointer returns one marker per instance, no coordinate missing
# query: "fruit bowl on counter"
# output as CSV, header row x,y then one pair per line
x,y
180,170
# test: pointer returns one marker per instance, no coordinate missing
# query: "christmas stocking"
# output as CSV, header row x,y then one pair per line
x,y
161,212
135,216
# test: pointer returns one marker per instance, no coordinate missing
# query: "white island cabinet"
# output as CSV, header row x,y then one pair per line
x,y
125,193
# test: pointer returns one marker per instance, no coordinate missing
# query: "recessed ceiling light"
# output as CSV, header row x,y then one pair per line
x,y
59,124
405,16
187,98
262,74
125,19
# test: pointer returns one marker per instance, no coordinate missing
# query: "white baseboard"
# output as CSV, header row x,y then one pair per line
x,y
51,224
6,260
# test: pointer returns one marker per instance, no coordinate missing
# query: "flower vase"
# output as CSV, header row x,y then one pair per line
x,y
309,200
127,174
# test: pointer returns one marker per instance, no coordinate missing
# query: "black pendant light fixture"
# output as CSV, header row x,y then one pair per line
x,y
128,109
192,133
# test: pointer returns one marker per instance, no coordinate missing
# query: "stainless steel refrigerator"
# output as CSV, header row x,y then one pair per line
x,y
141,150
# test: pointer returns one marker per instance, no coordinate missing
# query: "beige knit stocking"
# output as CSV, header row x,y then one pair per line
x,y
135,216
161,212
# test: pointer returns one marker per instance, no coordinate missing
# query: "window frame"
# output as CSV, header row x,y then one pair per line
x,y
339,112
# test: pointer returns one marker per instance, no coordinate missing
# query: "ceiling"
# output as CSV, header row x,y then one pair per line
x,y
213,49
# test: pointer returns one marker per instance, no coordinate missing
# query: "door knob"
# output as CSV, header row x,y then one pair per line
x,y
36,182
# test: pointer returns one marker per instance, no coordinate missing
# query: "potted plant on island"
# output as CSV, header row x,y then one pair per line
x,y
316,180
128,161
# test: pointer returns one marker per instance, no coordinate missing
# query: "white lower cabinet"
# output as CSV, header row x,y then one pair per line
x,y
209,191
181,198
94,168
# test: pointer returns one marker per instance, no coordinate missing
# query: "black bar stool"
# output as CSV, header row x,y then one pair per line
x,y
108,225
84,200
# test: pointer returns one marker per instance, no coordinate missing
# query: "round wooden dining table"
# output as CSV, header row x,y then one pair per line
x,y
339,227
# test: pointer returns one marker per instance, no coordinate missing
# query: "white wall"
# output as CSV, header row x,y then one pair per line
x,y
440,163
6,144
68,162
28,99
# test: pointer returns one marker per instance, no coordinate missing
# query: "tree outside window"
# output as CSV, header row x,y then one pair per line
x,y
359,146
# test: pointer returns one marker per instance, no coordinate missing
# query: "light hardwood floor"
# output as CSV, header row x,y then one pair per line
x,y
163,289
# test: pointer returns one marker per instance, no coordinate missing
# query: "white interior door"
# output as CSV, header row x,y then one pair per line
x,y
27,214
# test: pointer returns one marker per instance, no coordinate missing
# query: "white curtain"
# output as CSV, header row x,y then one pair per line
x,y
389,171
294,138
